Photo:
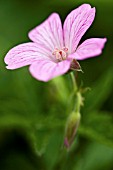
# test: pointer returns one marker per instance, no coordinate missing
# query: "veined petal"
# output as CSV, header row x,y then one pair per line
x,y
76,24
90,48
25,54
49,33
45,70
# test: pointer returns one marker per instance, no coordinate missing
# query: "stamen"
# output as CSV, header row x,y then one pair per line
x,y
65,49
60,54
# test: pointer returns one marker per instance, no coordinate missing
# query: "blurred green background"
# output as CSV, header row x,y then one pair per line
x,y
33,113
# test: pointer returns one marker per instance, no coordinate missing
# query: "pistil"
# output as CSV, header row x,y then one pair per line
x,y
60,54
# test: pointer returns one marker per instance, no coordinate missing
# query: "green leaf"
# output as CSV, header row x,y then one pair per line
x,y
14,121
95,156
44,128
98,126
60,86
41,140
99,93
54,149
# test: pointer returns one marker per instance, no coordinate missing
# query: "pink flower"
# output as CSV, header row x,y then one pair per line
x,y
55,50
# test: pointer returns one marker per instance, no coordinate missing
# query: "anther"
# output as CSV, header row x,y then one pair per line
x,y
60,54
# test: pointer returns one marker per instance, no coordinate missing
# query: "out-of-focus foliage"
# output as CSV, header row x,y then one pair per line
x,y
33,114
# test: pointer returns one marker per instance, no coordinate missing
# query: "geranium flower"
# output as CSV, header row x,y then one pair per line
x,y
55,50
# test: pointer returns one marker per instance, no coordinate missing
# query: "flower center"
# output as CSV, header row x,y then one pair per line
x,y
60,54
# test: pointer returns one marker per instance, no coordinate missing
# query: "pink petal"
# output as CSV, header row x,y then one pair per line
x,y
49,33
90,48
45,70
76,24
25,54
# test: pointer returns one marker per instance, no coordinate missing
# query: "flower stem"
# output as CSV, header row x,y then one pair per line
x,y
75,87
78,102
76,93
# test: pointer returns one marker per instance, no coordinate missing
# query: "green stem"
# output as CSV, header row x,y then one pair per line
x,y
78,102
75,87
76,93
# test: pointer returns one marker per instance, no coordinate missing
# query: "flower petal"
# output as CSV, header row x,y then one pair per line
x,y
90,48
25,54
49,33
45,70
76,24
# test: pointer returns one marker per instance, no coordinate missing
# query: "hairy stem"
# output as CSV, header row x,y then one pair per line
x,y
75,87
76,93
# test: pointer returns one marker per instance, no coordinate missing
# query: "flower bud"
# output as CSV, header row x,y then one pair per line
x,y
71,128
